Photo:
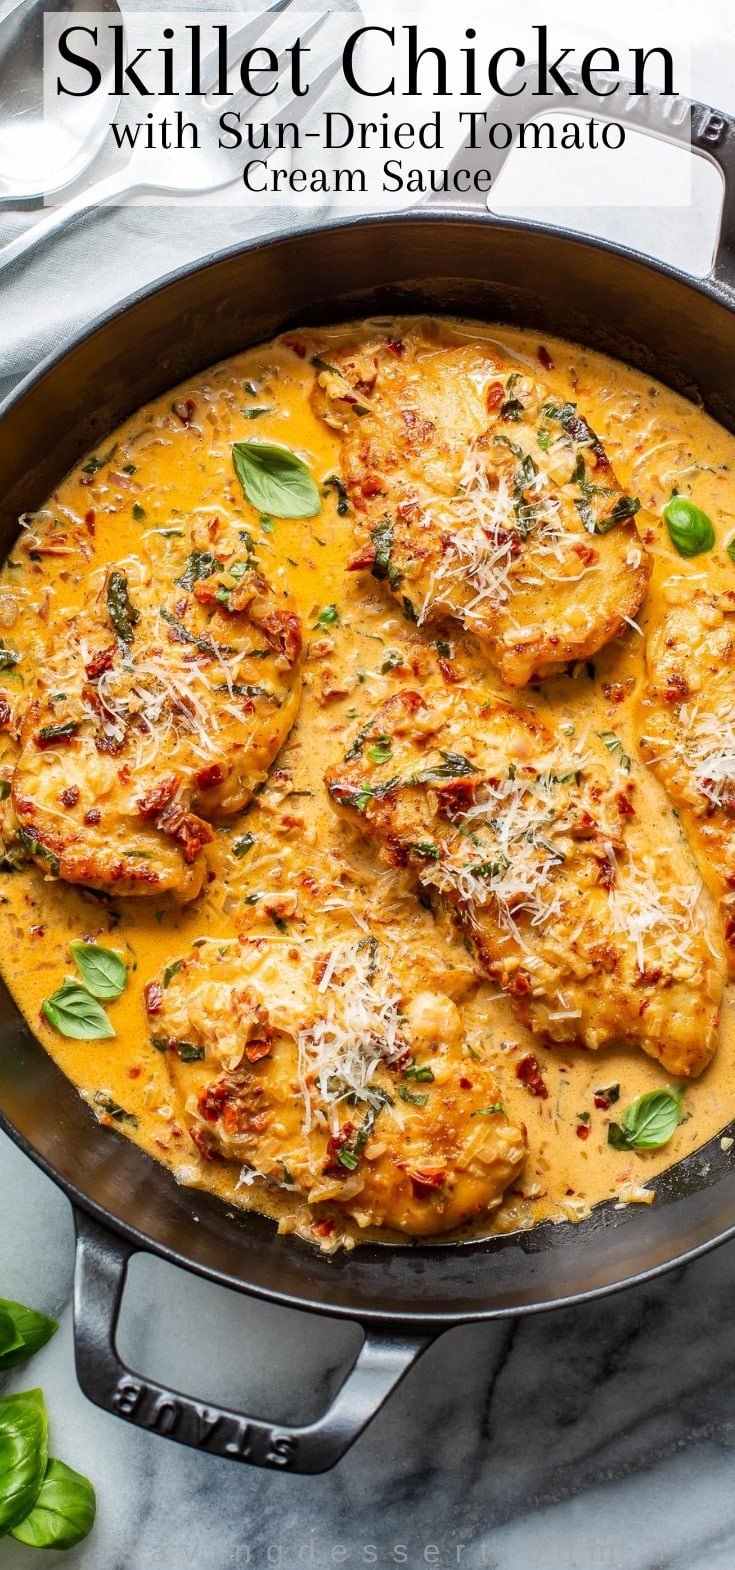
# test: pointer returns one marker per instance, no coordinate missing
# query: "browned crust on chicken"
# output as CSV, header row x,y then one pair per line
x,y
478,495
420,1155
686,718
598,935
157,710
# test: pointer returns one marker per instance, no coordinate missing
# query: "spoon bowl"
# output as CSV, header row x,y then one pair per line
x,y
44,147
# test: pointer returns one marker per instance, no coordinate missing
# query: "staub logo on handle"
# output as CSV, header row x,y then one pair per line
x,y
193,1423
712,129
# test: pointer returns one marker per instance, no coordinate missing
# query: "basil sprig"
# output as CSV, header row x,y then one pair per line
x,y
64,1511
102,970
22,1332
275,480
690,530
649,1121
23,1455
76,1014
43,1502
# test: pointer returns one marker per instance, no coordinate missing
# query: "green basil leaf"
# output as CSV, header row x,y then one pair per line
x,y
731,550
102,970
121,612
64,1511
10,1340
23,1455
690,530
31,1331
200,564
649,1121
275,480
76,1014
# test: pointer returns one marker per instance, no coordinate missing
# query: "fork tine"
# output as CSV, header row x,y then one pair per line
x,y
251,33
298,108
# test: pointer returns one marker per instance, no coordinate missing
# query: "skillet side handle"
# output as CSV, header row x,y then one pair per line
x,y
708,133
101,1267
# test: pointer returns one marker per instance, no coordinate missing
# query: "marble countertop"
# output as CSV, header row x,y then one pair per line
x,y
599,1437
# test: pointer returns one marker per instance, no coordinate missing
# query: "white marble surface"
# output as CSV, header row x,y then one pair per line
x,y
598,1438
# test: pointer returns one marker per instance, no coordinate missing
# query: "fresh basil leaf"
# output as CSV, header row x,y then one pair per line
x,y
8,658
690,530
275,480
102,970
10,1340
30,1331
75,1013
64,1511
23,1455
649,1121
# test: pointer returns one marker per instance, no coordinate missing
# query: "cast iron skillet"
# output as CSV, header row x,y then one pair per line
x,y
681,331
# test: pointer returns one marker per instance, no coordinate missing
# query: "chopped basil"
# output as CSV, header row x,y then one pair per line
x,y
139,513
336,484
328,616
241,846
171,971
112,1108
422,1073
613,744
35,848
119,609
60,732
102,970
275,480
201,564
255,411
649,1121
690,530
426,850
8,658
412,1099
380,751
454,767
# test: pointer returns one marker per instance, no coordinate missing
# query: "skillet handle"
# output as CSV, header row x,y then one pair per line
x,y
708,133
101,1268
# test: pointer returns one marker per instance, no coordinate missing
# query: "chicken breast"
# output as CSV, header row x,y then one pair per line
x,y
687,733
478,495
159,708
578,892
337,1078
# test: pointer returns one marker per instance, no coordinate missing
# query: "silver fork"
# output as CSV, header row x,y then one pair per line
x,y
207,168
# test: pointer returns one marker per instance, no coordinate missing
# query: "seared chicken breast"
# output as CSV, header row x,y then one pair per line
x,y
479,496
687,733
340,1079
159,708
578,892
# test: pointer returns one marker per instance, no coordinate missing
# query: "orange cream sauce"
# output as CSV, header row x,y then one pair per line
x,y
656,441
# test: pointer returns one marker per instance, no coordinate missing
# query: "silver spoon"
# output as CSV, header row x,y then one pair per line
x,y
43,152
